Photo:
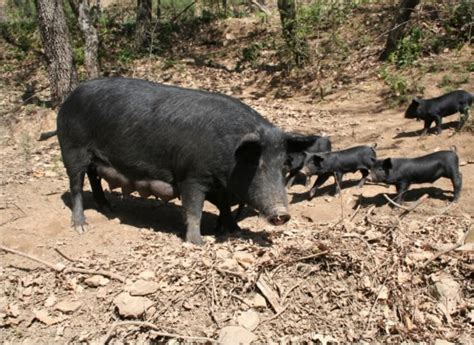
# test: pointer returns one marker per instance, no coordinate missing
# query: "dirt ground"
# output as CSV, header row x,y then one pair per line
x,y
344,269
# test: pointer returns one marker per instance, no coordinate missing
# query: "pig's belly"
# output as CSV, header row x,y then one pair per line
x,y
145,188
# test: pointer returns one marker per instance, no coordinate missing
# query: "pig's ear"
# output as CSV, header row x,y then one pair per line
x,y
317,158
387,164
416,99
249,149
298,142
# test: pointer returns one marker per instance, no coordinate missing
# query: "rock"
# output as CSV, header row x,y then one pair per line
x,y
147,275
50,301
229,264
131,306
68,306
258,301
248,319
43,316
244,259
96,281
231,335
442,342
142,288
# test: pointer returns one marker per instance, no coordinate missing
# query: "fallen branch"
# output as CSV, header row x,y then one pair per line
x,y
59,268
407,209
450,248
232,273
156,330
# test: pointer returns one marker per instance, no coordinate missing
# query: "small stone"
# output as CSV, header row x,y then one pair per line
x,y
131,306
147,275
50,301
28,291
258,301
68,306
248,319
442,342
142,288
244,259
96,281
231,335
43,316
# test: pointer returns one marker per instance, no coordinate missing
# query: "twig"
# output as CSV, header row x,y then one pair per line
x,y
182,12
233,273
240,299
450,248
64,255
407,209
288,292
63,269
355,213
376,300
310,256
155,328
359,237
274,316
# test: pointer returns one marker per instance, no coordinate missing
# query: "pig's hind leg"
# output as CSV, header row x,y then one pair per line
x,y
97,191
402,188
76,162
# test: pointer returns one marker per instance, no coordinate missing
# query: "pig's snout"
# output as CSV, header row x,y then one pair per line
x,y
305,171
279,216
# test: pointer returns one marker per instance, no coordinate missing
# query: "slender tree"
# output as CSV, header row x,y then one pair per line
x,y
297,45
396,33
57,47
143,22
83,10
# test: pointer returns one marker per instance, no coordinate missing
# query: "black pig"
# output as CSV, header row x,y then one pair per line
x,y
434,109
295,161
402,172
169,141
337,163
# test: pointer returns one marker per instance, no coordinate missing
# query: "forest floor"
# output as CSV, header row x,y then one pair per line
x,y
343,269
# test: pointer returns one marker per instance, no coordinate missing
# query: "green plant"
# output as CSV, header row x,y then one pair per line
x,y
400,89
448,83
408,49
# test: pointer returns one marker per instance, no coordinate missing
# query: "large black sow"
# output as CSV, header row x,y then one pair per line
x,y
173,142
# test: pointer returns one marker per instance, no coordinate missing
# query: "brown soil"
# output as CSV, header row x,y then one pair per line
x,y
368,284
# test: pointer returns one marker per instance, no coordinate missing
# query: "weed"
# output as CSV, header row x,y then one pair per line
x,y
448,83
26,146
400,90
408,49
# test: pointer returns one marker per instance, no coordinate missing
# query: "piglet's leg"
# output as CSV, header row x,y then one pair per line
x,y
438,122
457,184
463,118
426,127
364,173
402,187
338,182
318,183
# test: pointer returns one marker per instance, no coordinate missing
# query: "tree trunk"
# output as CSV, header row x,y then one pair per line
x,y
143,23
57,47
398,28
82,9
158,10
198,7
289,23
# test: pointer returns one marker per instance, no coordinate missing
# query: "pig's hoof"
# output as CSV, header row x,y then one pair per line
x,y
80,228
195,239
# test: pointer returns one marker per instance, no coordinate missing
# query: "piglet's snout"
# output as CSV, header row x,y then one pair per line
x,y
305,171
279,216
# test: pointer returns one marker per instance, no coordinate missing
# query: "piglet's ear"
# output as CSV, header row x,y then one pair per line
x,y
298,142
317,158
249,149
387,164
